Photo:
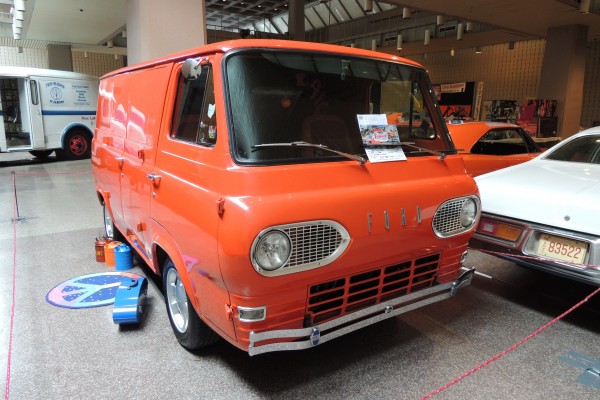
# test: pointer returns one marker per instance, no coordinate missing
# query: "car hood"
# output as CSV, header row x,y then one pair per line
x,y
555,193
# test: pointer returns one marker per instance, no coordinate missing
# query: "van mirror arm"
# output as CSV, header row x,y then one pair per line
x,y
191,69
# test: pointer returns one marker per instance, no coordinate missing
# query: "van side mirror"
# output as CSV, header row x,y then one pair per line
x,y
191,69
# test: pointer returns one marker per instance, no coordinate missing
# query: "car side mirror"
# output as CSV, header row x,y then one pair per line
x,y
191,69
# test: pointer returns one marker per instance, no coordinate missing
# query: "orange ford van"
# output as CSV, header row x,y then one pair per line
x,y
288,193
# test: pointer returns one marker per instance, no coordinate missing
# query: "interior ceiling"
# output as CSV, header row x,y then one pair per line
x,y
93,22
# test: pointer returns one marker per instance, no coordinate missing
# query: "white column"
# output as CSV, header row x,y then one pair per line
x,y
156,28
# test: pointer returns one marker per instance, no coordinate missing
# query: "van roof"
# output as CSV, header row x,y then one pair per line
x,y
222,47
21,72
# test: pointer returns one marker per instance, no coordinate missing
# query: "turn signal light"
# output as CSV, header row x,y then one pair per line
x,y
500,230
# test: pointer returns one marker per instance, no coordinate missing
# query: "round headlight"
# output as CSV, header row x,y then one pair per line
x,y
468,213
272,250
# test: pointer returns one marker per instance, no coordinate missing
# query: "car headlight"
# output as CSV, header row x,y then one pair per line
x,y
456,216
468,213
272,250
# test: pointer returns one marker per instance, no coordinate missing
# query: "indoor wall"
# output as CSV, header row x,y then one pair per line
x,y
511,74
95,64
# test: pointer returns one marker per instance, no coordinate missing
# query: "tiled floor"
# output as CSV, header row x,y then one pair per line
x,y
49,352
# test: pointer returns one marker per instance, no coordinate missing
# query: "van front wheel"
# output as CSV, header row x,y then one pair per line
x,y
191,332
77,145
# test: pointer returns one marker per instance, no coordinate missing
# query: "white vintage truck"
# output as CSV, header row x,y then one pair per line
x,y
43,110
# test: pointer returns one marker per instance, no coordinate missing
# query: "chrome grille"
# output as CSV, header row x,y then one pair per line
x,y
335,298
312,243
446,221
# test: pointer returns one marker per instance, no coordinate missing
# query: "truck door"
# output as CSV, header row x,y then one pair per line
x,y
21,114
36,124
147,90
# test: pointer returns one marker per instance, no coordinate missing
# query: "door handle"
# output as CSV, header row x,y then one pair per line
x,y
120,161
154,178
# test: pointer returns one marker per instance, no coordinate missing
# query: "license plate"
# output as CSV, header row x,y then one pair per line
x,y
562,249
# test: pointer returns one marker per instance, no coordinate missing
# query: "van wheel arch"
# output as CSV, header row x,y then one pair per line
x,y
190,330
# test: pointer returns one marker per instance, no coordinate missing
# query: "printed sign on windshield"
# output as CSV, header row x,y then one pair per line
x,y
381,140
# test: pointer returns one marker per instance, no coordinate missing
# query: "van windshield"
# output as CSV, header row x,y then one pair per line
x,y
278,99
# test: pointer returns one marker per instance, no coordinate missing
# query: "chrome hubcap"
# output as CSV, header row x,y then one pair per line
x,y
177,301
108,224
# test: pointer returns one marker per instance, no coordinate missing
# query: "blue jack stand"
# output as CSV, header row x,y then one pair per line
x,y
591,368
128,301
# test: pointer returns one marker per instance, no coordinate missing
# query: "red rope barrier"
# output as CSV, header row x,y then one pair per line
x,y
49,173
14,285
513,347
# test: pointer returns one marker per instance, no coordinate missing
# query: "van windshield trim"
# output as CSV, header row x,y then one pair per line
x,y
275,94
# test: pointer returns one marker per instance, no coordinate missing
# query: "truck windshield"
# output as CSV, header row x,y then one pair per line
x,y
282,97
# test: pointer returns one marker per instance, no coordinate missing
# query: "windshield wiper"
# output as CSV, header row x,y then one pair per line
x,y
361,160
440,154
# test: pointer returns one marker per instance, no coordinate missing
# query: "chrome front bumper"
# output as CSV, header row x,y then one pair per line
x,y
305,338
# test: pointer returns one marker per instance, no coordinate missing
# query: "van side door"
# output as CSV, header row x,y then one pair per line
x,y
109,140
147,89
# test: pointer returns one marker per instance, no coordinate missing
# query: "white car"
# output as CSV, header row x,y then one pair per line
x,y
545,213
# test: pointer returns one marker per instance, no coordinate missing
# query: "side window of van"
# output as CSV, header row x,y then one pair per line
x,y
194,118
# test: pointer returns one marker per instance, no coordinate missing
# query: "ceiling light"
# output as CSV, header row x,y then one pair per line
x,y
452,52
399,42
19,5
368,5
427,37
477,50
469,26
110,44
20,15
584,6
374,44
406,12
20,50
440,20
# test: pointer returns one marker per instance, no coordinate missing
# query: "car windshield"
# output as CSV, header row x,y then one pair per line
x,y
585,149
278,99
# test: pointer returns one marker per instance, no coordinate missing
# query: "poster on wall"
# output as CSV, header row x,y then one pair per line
x,y
538,117
504,111
542,108
477,101
455,111
486,110
456,100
